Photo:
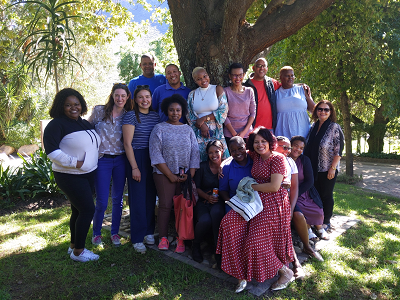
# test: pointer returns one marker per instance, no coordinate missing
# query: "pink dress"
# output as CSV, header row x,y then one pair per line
x,y
259,248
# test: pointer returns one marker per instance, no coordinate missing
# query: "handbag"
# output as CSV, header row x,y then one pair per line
x,y
183,208
246,210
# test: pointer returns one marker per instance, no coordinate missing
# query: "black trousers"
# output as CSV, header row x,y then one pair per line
x,y
325,187
79,190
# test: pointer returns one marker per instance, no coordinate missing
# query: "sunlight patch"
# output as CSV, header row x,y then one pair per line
x,y
145,294
25,242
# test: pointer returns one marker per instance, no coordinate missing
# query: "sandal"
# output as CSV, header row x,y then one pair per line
x,y
287,274
323,235
241,286
311,234
313,254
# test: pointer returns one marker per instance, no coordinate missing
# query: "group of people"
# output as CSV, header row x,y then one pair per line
x,y
156,133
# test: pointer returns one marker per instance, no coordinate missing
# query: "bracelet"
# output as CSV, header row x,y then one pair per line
x,y
333,168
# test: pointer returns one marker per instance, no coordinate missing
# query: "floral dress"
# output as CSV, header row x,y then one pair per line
x,y
215,126
257,249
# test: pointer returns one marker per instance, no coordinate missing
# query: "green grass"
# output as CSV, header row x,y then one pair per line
x,y
34,265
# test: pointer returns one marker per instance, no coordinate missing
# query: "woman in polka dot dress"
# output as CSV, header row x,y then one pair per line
x,y
257,249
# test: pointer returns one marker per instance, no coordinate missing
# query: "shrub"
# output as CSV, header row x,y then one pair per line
x,y
344,178
380,155
38,174
12,185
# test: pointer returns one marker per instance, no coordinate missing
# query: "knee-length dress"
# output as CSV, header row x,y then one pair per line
x,y
257,249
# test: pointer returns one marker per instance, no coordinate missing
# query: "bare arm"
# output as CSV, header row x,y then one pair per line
x,y
310,101
128,131
269,187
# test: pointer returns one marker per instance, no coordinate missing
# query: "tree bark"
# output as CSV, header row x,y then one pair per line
x,y
377,131
345,109
214,33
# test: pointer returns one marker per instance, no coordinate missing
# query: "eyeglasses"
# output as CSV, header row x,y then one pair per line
x,y
240,76
144,86
260,66
320,109
285,147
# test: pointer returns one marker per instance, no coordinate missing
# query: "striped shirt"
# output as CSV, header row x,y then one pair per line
x,y
142,130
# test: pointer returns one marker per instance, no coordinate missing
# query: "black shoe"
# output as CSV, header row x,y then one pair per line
x,y
196,253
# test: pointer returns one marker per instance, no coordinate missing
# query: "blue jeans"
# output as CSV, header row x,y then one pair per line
x,y
142,197
109,168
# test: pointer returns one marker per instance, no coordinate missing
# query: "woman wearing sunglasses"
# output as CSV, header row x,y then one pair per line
x,y
324,148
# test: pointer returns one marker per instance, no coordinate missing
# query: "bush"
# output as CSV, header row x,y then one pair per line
x,y
38,174
12,186
344,178
381,155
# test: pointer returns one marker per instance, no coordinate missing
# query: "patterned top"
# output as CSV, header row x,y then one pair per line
x,y
215,126
175,145
110,131
143,129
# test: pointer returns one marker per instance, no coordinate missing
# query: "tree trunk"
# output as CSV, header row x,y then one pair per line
x,y
345,110
377,131
214,33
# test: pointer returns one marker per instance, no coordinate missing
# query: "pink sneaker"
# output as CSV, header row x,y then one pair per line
x,y
116,240
164,244
180,248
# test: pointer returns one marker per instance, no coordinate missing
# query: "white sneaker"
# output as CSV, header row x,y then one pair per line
x,y
70,250
85,256
140,247
149,239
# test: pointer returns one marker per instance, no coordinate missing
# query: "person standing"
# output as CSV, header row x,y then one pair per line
x,y
172,86
264,91
324,147
148,77
136,129
107,120
72,145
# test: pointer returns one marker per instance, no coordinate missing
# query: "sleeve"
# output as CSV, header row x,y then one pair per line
x,y
227,121
97,115
292,165
129,118
155,146
191,116
224,181
338,140
198,176
308,175
276,84
132,86
194,152
278,165
52,137
222,112
252,108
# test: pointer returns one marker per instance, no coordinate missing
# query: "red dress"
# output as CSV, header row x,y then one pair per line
x,y
259,248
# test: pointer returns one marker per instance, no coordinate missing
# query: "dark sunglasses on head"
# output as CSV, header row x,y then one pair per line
x,y
285,147
121,83
320,109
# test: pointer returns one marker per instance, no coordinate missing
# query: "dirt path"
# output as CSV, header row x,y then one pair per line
x,y
381,177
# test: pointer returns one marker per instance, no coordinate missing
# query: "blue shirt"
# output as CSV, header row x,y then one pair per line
x,y
143,129
153,82
164,91
233,173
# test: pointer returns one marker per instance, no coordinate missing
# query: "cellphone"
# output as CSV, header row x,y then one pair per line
x,y
181,171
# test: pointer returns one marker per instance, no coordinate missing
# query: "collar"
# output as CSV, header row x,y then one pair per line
x,y
169,87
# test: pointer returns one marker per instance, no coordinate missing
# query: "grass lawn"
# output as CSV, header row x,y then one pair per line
x,y
364,263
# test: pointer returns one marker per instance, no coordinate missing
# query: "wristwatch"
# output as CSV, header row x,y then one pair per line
x,y
208,118
333,168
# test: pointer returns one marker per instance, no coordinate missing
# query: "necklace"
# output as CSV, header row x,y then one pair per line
x,y
202,96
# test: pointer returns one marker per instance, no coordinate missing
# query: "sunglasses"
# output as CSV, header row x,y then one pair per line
x,y
145,86
285,147
119,83
260,66
320,109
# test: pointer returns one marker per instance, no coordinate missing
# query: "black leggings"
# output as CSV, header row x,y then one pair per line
x,y
79,189
325,187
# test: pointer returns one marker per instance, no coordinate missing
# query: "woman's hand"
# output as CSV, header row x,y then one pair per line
x,y
331,173
220,174
241,134
212,199
136,175
199,123
174,178
183,178
307,91
205,131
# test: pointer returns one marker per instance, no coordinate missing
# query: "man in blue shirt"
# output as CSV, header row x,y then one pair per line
x,y
147,65
173,86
